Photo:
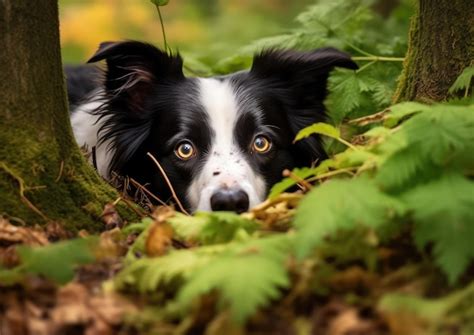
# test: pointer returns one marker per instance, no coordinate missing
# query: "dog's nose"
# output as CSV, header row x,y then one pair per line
x,y
230,199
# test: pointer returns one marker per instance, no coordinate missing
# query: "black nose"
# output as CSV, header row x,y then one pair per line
x,y
231,199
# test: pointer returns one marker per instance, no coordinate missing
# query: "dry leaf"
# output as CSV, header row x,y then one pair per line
x,y
111,218
10,234
159,239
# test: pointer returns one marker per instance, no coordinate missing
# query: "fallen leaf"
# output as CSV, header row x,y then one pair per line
x,y
159,239
10,234
111,218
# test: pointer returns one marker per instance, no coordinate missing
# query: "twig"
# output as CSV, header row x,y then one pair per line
x,y
284,197
168,182
144,189
131,206
21,184
304,183
365,120
331,173
350,145
61,167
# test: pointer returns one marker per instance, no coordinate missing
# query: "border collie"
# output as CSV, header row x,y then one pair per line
x,y
222,141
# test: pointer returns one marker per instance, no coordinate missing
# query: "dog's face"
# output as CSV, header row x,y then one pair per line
x,y
222,141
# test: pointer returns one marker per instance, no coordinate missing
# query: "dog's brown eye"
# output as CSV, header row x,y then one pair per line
x,y
261,144
185,150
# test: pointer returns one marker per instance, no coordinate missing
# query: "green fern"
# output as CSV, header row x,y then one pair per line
x,y
246,277
341,204
444,215
211,228
464,81
429,142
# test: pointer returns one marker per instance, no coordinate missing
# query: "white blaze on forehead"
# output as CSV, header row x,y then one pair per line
x,y
225,164
219,102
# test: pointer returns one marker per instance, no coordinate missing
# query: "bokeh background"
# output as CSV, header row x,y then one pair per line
x,y
209,30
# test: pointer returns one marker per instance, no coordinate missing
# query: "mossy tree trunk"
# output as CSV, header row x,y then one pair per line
x,y
441,45
43,175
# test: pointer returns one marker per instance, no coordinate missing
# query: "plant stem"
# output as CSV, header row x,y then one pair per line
x,y
374,58
350,145
332,173
362,68
162,28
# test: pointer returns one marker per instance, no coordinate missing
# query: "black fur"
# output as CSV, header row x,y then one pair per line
x,y
149,106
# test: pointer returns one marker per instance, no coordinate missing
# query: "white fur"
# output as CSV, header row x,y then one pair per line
x,y
225,157
86,127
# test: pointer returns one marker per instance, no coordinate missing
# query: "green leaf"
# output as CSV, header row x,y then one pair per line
x,y
246,278
318,128
341,204
160,2
345,94
148,274
211,227
58,260
401,111
382,92
426,144
443,214
463,82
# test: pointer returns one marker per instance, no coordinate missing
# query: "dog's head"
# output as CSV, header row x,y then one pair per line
x,y
222,141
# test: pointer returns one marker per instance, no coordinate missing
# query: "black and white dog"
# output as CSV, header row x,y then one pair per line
x,y
222,141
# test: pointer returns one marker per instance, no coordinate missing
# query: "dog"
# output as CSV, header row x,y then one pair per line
x,y
222,141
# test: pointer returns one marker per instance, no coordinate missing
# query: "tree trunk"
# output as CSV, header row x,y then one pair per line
x,y
441,45
43,175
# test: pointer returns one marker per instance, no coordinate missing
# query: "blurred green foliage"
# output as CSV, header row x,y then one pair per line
x,y
207,29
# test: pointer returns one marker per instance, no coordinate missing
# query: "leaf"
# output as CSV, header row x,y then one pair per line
x,y
345,94
211,227
223,226
246,278
147,274
463,81
160,2
402,110
58,260
382,92
318,128
426,144
159,239
341,204
443,214
188,227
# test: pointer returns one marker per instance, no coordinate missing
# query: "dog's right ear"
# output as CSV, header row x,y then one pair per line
x,y
133,67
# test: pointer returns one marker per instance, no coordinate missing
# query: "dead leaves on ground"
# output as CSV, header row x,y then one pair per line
x,y
348,306
43,309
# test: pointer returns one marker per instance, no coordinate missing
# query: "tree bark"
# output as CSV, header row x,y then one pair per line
x,y
441,45
43,175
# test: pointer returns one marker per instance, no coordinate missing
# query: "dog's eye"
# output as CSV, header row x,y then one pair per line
x,y
185,150
261,144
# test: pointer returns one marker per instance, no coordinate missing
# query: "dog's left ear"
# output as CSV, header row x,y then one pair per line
x,y
302,77
133,68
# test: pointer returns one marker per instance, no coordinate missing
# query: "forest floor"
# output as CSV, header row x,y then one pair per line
x,y
347,300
